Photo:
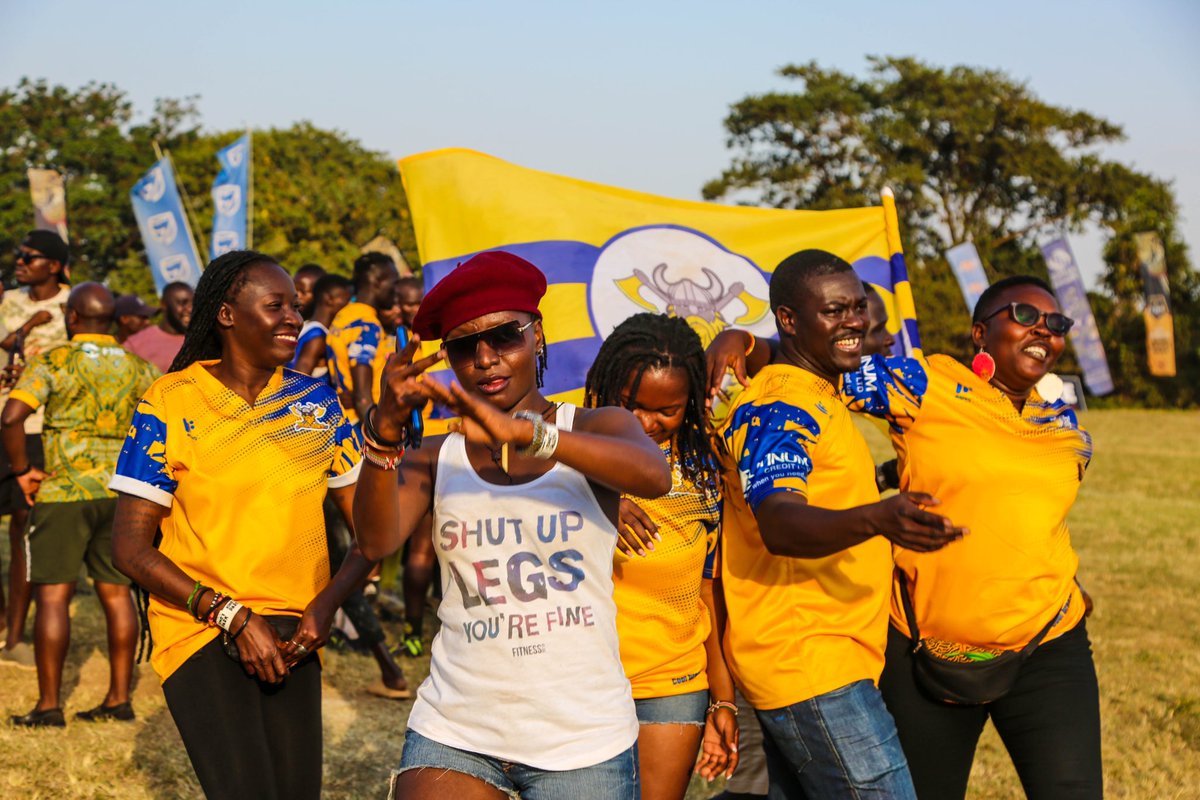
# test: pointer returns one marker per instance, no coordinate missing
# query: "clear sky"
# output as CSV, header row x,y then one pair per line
x,y
627,93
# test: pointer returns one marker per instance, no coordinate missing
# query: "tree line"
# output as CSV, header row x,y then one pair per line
x,y
971,154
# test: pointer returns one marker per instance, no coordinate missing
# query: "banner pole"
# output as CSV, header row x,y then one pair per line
x,y
188,210
250,189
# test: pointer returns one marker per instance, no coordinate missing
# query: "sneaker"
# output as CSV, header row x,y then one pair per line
x,y
19,655
121,711
48,718
410,645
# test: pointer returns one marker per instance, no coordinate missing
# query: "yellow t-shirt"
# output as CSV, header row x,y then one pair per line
x,y
244,485
1010,477
662,623
356,338
799,627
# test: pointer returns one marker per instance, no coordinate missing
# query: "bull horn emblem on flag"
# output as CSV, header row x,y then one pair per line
x,y
669,269
700,306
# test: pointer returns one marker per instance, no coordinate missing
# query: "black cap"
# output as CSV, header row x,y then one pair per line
x,y
130,305
49,244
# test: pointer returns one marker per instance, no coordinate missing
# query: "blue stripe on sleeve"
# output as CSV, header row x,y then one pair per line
x,y
774,449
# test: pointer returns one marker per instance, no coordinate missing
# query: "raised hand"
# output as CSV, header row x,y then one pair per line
x,y
402,389
479,421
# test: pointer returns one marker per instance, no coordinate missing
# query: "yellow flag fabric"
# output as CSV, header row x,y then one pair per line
x,y
609,253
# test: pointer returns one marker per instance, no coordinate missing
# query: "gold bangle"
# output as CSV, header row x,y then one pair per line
x,y
753,343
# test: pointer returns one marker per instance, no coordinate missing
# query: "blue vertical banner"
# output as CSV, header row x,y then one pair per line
x,y
1085,336
968,268
230,195
165,231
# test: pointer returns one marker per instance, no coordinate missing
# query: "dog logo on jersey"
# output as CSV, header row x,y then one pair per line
x,y
309,417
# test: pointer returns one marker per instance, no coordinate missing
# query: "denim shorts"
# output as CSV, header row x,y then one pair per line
x,y
679,709
614,779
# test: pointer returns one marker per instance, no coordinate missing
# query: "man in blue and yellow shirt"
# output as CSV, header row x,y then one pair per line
x,y
362,335
89,388
807,549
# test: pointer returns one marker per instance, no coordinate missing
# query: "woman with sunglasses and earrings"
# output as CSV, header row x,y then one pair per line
x,y
526,693
991,626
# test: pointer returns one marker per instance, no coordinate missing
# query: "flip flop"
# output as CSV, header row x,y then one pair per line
x,y
380,689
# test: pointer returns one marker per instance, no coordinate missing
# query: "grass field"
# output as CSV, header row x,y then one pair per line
x,y
1136,527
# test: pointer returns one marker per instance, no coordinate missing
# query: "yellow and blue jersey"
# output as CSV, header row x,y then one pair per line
x,y
244,484
1009,476
662,622
356,338
799,627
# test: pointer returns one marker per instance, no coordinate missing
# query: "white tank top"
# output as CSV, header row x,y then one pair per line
x,y
526,667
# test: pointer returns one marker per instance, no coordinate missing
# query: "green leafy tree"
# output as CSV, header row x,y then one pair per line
x,y
318,195
972,155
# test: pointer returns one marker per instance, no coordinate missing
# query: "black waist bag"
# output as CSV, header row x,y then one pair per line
x,y
285,628
965,683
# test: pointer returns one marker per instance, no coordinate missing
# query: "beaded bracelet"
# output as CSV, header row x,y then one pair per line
x,y
200,596
721,704
386,459
211,614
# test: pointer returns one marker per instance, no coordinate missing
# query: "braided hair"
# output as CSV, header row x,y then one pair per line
x,y
656,341
221,282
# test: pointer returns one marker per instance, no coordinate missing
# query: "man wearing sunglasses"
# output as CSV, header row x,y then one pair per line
x,y
32,316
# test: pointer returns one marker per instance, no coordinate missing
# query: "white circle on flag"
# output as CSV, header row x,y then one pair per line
x,y
680,272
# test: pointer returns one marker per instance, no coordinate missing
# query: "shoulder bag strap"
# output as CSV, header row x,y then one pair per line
x,y
909,613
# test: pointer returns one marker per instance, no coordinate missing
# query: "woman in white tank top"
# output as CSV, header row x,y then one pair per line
x,y
526,694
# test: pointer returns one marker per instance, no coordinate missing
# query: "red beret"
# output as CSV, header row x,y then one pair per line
x,y
483,284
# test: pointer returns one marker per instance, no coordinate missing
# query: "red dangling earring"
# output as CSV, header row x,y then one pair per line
x,y
983,365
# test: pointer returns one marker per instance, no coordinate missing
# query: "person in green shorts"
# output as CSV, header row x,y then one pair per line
x,y
89,387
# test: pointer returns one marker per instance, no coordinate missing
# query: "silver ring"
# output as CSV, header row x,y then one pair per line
x,y
302,648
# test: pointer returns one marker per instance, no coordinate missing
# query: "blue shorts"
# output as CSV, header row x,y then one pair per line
x,y
614,779
679,709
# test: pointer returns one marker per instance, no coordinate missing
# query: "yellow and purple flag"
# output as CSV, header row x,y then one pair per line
x,y
609,253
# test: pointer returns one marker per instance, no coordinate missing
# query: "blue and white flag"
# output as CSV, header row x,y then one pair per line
x,y
165,232
1085,336
230,194
964,260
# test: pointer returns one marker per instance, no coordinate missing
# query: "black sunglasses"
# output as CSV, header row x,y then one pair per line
x,y
502,339
1029,315
20,256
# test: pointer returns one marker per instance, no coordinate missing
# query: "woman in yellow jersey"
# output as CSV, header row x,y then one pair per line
x,y
1005,455
229,456
525,692
663,577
